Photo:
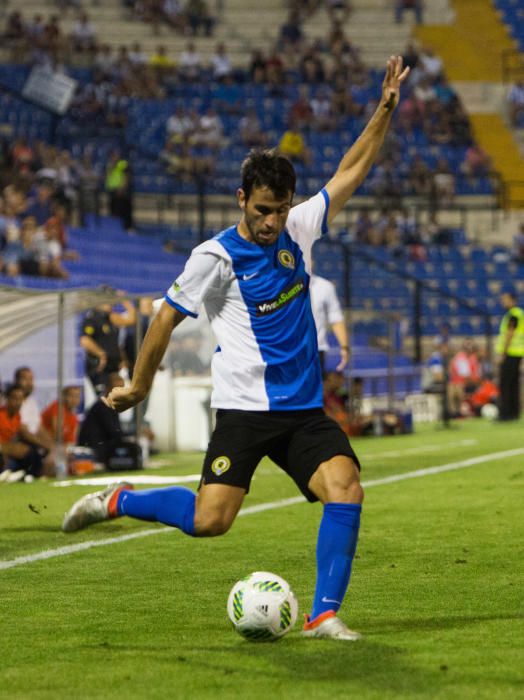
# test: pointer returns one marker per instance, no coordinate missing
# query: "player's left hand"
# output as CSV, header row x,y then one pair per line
x,y
393,79
122,397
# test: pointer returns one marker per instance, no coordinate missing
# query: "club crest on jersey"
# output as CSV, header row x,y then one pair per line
x,y
286,259
220,465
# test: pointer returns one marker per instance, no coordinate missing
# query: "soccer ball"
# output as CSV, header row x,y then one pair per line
x,y
262,607
489,411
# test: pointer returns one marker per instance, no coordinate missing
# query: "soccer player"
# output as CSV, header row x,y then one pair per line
x,y
252,280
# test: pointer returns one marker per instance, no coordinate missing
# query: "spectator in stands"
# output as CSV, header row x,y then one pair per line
x,y
311,66
71,398
173,13
136,56
518,245
516,103
291,31
104,60
416,6
251,133
119,186
464,376
179,126
221,62
22,156
338,10
301,113
40,206
420,178
19,255
210,130
190,63
476,163
430,64
323,118
101,429
443,183
15,26
20,457
257,66
89,183
364,231
199,17
410,56
99,339
328,315
227,97
162,64
292,145
83,36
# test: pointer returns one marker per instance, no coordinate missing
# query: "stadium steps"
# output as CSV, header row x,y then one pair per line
x,y
470,47
497,139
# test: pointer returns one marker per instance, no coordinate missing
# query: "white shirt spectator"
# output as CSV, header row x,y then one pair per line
x,y
30,414
178,124
516,94
431,65
190,62
221,64
326,308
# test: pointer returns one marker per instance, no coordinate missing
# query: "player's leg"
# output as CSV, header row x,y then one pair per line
x,y
208,513
324,466
336,484
229,464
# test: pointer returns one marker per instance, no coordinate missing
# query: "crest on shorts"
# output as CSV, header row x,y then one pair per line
x,y
176,286
220,465
286,259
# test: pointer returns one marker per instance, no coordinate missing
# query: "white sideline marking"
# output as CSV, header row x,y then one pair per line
x,y
131,478
71,549
419,450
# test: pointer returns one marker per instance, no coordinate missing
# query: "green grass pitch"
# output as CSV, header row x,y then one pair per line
x,y
437,588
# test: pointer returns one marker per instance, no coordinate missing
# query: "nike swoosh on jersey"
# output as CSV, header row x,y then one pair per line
x,y
249,277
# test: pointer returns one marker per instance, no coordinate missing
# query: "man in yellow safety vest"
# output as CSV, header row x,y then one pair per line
x,y
510,346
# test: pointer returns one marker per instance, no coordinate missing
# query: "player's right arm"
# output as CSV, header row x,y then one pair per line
x,y
148,360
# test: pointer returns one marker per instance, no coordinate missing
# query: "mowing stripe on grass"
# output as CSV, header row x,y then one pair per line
x,y
250,510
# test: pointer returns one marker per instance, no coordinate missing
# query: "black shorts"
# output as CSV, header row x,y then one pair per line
x,y
297,441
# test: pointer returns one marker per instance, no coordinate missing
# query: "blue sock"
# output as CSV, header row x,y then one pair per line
x,y
336,545
173,506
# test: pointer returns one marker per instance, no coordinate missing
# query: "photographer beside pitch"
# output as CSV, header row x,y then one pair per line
x,y
253,281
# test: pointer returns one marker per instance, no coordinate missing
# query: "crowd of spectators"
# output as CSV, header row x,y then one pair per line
x,y
39,189
333,80
467,372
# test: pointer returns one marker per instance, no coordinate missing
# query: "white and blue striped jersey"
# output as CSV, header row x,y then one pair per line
x,y
257,301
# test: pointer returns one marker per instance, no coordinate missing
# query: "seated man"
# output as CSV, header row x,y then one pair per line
x,y
101,429
20,458
71,397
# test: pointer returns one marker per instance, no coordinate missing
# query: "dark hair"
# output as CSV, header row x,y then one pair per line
x,y
11,388
19,371
268,168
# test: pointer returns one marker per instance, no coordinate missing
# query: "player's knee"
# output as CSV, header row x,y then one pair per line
x,y
212,524
341,484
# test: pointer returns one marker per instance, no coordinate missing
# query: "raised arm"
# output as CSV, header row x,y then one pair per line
x,y
148,360
357,162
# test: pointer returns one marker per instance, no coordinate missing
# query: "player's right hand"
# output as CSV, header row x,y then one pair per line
x,y
122,397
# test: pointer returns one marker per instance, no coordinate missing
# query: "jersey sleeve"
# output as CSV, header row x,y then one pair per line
x,y
201,277
307,222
